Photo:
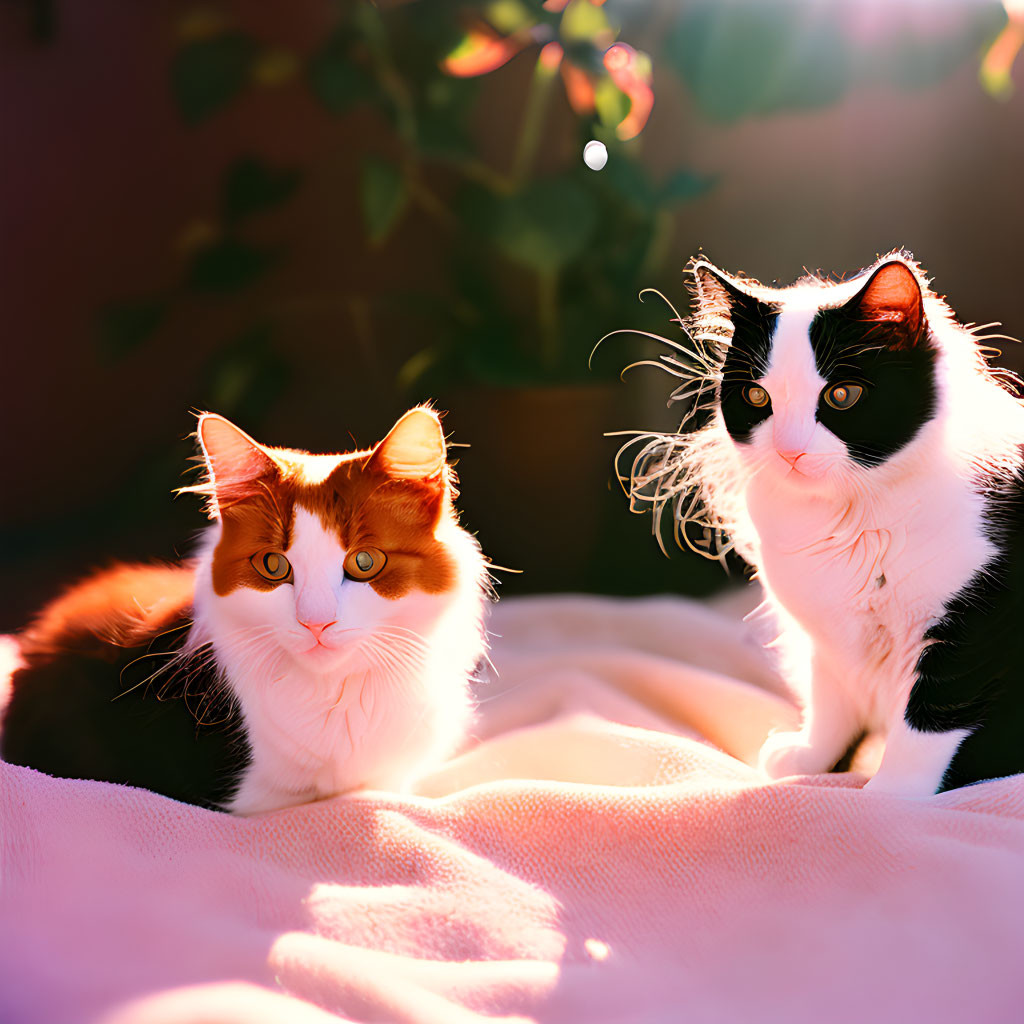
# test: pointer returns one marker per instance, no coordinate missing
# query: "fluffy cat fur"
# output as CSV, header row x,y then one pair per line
x,y
887,531
322,639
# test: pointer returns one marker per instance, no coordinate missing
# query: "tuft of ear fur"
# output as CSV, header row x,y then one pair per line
x,y
235,463
892,296
722,303
716,291
414,448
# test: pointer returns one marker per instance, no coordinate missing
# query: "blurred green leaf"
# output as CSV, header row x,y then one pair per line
x,y
741,58
385,197
509,16
543,227
623,257
421,34
369,22
227,266
125,326
744,58
909,60
207,73
586,56
683,186
246,376
493,353
630,180
417,366
251,185
584,21
444,106
337,81
612,105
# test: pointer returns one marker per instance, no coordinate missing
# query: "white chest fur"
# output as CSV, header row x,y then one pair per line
x,y
315,736
865,577
392,697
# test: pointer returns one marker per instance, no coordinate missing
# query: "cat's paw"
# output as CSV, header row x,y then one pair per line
x,y
788,753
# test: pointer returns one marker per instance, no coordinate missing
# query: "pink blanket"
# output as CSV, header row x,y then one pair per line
x,y
603,853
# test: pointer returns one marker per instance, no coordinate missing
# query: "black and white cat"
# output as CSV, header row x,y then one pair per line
x,y
858,451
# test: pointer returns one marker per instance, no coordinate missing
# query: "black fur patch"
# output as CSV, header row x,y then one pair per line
x,y
746,360
898,382
972,675
139,716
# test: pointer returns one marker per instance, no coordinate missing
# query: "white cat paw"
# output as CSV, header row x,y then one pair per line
x,y
788,753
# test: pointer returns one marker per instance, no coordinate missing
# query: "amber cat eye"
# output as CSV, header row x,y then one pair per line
x,y
272,565
843,396
756,395
364,563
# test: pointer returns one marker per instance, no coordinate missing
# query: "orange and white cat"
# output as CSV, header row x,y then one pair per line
x,y
323,639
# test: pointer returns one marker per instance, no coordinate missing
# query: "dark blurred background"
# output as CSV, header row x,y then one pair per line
x,y
310,216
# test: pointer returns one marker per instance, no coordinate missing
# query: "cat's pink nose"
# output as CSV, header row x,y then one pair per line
x,y
790,456
316,628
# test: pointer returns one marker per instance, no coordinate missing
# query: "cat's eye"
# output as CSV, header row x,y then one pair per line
x,y
756,395
272,565
364,563
843,396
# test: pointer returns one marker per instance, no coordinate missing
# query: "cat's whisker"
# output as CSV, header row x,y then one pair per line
x,y
399,655
675,312
392,669
997,337
396,642
398,662
399,634
657,364
697,355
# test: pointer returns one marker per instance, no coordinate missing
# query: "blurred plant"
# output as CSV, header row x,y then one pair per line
x,y
538,264
578,243
741,58
218,260
601,76
998,63
245,374
590,241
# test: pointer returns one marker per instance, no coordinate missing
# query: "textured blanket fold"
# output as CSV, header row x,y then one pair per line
x,y
602,851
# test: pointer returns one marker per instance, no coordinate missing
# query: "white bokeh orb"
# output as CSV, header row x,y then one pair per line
x,y
595,154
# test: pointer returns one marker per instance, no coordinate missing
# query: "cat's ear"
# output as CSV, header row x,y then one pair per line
x,y
717,294
235,463
891,297
414,448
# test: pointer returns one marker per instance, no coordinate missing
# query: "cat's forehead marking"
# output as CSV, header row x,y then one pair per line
x,y
311,542
792,370
316,556
355,503
315,469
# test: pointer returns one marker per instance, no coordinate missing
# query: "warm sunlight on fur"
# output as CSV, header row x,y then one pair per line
x,y
849,440
325,633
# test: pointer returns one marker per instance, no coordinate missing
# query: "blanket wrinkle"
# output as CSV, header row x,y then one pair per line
x,y
601,851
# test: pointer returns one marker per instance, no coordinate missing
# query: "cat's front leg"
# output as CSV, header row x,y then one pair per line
x,y
946,704
915,762
829,727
